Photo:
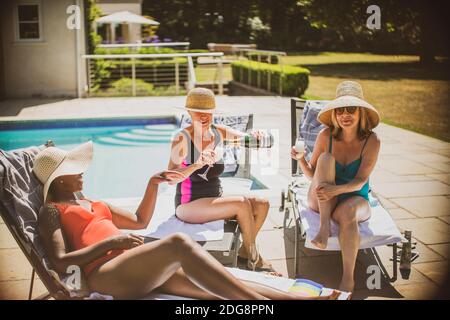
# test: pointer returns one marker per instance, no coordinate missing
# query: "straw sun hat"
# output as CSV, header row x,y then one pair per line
x,y
349,94
52,163
200,100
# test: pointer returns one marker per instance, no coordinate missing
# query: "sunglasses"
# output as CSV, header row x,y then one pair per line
x,y
350,110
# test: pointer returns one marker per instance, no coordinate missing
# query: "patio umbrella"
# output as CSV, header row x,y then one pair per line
x,y
126,17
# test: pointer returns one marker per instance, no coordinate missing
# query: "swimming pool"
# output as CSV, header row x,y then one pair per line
x,y
127,151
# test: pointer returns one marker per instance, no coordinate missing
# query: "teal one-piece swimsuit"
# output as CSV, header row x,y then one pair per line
x,y
345,174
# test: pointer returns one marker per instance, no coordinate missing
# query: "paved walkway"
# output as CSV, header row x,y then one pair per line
x,y
412,177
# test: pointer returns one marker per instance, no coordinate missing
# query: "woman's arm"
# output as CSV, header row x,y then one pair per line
x,y
233,136
178,154
124,219
229,134
308,168
54,242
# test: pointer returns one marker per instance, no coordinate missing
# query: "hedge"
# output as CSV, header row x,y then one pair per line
x,y
144,50
295,80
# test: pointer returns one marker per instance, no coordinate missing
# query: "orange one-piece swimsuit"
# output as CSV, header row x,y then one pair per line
x,y
83,228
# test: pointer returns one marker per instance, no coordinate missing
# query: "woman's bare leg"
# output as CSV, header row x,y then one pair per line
x,y
180,285
250,213
348,213
260,209
211,209
140,270
325,172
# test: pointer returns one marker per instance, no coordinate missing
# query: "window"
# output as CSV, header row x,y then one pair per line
x,y
28,19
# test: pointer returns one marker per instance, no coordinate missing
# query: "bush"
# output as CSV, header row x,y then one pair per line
x,y
123,87
101,71
294,80
144,50
149,62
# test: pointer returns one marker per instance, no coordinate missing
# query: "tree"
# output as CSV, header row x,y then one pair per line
x,y
406,24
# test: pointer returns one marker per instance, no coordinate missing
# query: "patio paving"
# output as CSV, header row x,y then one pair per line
x,y
412,177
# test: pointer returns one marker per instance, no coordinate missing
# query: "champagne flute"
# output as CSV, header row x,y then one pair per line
x,y
300,149
204,174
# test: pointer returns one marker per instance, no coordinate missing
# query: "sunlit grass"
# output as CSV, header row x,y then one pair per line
x,y
343,57
210,73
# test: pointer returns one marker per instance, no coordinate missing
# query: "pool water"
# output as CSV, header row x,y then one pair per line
x,y
127,152
125,156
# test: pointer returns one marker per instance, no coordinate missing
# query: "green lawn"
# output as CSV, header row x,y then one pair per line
x,y
406,93
344,57
209,73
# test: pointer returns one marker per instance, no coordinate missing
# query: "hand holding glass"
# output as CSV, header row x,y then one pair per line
x,y
208,157
299,147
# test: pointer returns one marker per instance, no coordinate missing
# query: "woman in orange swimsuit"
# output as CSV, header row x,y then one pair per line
x,y
86,233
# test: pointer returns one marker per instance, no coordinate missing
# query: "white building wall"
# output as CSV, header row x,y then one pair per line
x,y
47,67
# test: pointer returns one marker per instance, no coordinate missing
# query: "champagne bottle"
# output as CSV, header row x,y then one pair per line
x,y
249,141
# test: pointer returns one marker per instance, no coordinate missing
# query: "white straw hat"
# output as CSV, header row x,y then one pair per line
x,y
53,162
201,100
348,94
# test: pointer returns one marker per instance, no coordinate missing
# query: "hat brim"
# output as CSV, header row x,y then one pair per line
x,y
76,161
324,115
211,111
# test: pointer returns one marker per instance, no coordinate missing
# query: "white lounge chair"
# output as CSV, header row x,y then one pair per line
x,y
379,230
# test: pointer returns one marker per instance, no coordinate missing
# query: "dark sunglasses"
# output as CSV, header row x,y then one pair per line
x,y
350,110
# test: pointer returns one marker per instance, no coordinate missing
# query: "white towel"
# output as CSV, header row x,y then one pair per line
x,y
379,230
279,283
164,222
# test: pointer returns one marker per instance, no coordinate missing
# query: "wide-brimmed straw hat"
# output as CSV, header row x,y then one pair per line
x,y
53,162
349,94
201,100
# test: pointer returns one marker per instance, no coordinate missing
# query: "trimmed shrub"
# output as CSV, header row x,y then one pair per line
x,y
124,87
294,80
144,50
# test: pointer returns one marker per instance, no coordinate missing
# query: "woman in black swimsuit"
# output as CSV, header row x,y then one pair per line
x,y
200,200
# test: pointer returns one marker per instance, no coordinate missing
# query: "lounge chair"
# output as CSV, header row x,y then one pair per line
x,y
379,230
22,223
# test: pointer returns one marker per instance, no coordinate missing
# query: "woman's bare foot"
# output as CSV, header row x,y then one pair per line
x,y
332,296
347,285
267,267
321,239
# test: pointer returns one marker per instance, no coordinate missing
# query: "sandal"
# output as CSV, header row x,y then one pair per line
x,y
257,263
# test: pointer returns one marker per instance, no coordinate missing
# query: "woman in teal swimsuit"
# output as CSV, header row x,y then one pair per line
x,y
343,158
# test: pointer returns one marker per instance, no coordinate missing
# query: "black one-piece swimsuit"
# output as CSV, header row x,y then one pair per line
x,y
195,187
